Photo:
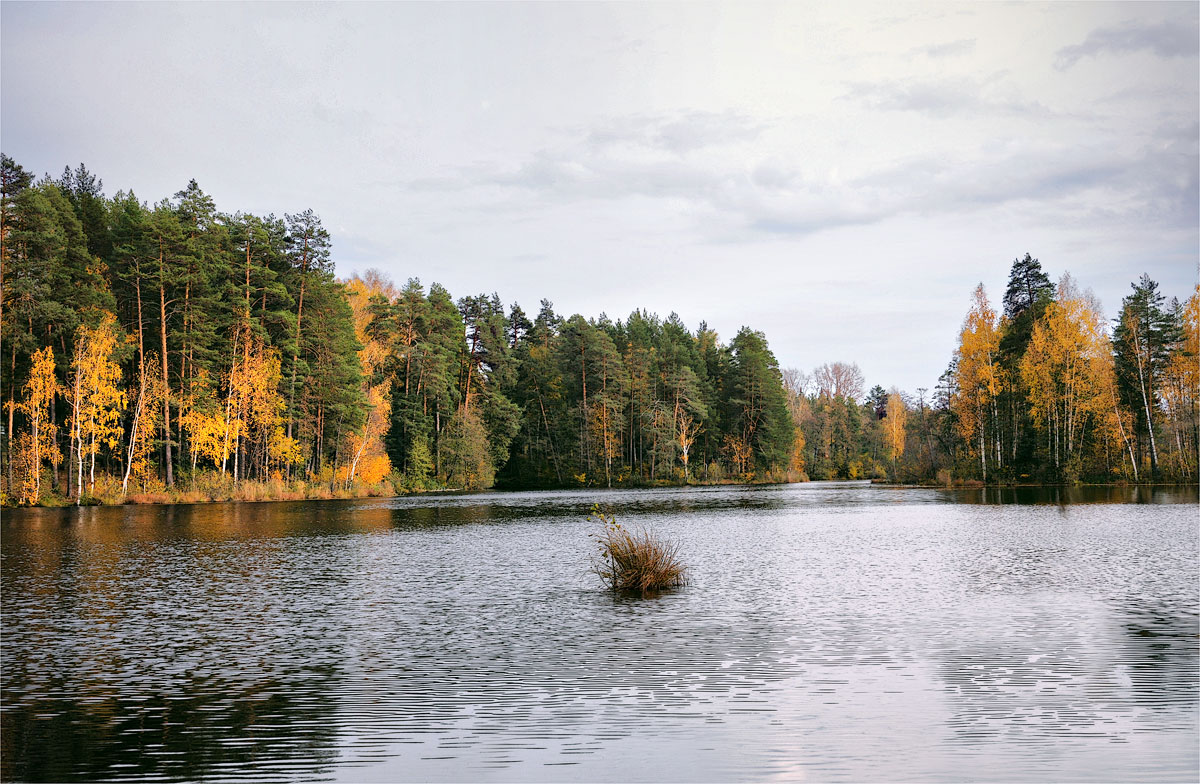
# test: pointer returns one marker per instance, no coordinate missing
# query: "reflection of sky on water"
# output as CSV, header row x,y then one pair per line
x,y
830,632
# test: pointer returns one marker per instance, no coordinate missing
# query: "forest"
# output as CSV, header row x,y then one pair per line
x,y
168,351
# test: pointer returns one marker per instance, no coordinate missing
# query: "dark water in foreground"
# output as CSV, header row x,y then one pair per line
x,y
831,632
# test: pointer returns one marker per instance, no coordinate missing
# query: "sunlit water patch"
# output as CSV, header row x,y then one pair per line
x,y
830,631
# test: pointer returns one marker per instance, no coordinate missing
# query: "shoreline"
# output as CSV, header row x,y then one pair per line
x,y
976,485
344,494
360,492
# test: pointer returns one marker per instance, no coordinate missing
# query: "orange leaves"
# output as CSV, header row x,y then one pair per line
x,y
897,416
1067,370
368,442
41,442
147,415
365,447
979,378
97,397
210,435
739,452
284,450
251,413
370,470
1182,387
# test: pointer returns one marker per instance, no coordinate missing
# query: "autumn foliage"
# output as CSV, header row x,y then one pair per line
x,y
1037,393
174,351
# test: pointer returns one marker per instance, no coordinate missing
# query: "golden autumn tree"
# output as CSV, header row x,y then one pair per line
x,y
255,410
40,443
267,410
739,452
365,447
979,381
893,426
204,421
686,434
798,406
1064,374
367,460
604,430
1113,420
96,396
1181,389
147,417
241,430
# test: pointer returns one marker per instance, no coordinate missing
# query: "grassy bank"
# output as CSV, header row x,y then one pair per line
x,y
215,488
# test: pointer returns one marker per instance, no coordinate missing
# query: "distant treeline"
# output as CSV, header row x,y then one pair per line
x,y
1044,392
169,351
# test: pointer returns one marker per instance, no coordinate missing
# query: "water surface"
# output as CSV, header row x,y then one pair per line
x,y
831,631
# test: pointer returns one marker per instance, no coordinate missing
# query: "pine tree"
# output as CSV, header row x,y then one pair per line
x,y
1143,338
1026,298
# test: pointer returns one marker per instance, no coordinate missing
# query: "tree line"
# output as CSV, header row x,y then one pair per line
x,y
1044,390
1047,389
176,351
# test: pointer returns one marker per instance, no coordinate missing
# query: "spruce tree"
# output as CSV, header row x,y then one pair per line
x,y
1143,338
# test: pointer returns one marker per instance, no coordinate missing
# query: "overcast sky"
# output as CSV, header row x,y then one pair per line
x,y
838,178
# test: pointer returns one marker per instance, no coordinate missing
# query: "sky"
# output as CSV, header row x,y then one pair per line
x,y
837,176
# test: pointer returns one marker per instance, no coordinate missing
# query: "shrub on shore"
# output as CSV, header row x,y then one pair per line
x,y
635,561
212,486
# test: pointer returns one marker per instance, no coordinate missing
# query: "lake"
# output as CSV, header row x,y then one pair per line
x,y
830,631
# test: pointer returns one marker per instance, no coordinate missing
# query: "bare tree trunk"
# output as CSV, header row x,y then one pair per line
x,y
133,434
12,404
549,436
162,329
1149,420
296,348
92,467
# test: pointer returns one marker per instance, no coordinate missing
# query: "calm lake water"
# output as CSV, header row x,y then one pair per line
x,y
831,631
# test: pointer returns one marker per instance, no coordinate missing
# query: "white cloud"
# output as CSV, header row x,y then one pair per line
x,y
837,178
1165,39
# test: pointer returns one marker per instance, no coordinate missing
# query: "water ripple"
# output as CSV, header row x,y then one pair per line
x,y
461,637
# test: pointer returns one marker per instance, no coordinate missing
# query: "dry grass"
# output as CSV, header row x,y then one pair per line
x,y
635,561
149,498
212,486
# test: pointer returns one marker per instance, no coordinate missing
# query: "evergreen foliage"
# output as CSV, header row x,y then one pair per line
x,y
173,343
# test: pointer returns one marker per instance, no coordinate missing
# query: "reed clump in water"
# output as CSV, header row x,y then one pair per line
x,y
635,561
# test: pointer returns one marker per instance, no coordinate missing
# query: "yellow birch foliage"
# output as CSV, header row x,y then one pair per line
x,y
897,417
368,461
796,460
283,450
978,377
685,434
1064,371
740,453
1185,361
359,293
147,417
254,406
1113,421
98,397
40,443
205,422
1181,387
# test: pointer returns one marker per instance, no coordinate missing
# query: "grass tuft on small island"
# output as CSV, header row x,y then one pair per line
x,y
635,562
